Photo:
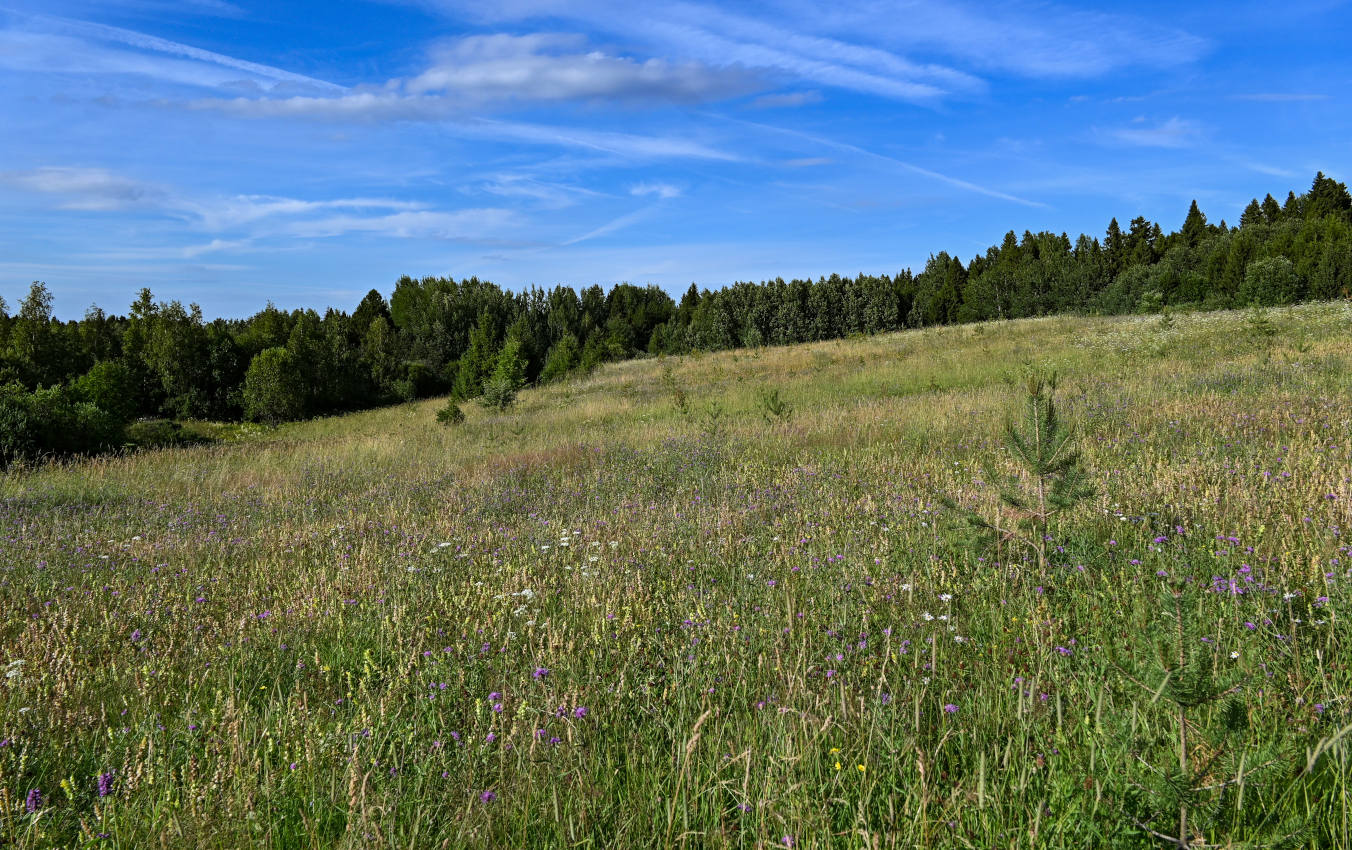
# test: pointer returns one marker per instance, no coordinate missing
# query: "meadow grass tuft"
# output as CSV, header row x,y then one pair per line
x,y
625,612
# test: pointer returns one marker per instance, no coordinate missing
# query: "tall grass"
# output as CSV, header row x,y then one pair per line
x,y
594,621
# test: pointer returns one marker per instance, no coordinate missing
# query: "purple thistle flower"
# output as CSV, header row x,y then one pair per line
x,y
487,797
580,712
540,673
136,635
34,801
495,696
497,707
106,783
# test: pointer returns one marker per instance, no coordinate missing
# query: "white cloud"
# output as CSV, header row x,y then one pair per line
x,y
611,226
85,188
225,213
1174,133
549,194
47,44
484,72
470,224
891,162
1280,97
661,190
549,67
256,216
787,100
859,44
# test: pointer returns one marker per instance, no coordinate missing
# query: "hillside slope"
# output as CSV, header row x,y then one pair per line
x,y
600,617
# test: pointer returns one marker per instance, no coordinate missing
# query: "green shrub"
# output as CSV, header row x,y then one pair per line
x,y
451,414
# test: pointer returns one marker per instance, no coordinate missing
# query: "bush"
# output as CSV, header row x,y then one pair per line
x,y
1270,282
272,387
509,375
156,433
451,414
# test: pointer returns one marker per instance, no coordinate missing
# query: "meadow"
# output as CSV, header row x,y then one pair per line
x,y
652,608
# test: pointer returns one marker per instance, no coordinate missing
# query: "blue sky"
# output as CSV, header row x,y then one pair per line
x,y
231,152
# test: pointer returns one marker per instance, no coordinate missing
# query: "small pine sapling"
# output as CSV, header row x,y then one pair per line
x,y
451,414
1051,480
1190,786
680,399
773,408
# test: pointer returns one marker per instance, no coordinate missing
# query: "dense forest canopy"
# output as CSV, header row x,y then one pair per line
x,y
76,386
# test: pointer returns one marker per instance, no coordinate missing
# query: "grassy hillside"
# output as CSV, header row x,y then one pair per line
x,y
598,620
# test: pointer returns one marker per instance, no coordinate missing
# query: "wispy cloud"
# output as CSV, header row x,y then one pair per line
x,y
611,226
257,217
477,74
556,67
626,145
1280,97
661,190
1174,133
893,162
459,225
552,195
861,45
720,38
44,43
94,189
787,100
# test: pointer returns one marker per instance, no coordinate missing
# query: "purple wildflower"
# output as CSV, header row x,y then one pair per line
x,y
950,708
34,801
106,783
580,712
487,797
540,673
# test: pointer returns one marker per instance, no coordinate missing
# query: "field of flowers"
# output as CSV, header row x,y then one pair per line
x,y
648,609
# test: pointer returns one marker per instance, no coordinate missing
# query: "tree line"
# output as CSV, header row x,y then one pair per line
x,y
94,384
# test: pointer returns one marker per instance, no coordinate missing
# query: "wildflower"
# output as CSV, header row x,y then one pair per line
x,y
487,797
34,801
580,712
495,696
860,767
837,765
106,783
497,707
1063,650
490,738
950,708
540,673
136,635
